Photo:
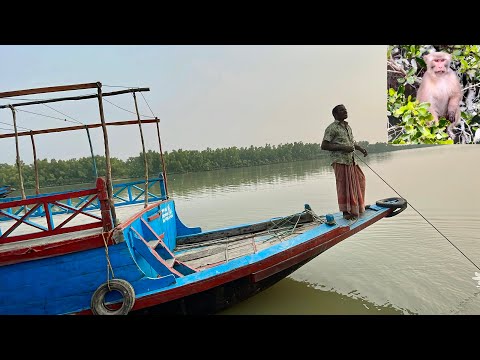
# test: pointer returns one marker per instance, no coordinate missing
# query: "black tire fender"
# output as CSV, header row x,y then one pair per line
x,y
397,203
97,303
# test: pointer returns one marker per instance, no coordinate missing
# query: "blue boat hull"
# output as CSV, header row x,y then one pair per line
x,y
160,282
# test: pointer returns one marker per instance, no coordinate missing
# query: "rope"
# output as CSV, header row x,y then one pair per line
x,y
79,122
53,117
131,112
280,231
109,264
148,105
317,218
276,226
20,127
418,212
6,129
129,87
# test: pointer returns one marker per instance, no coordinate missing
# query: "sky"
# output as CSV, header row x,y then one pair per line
x,y
206,96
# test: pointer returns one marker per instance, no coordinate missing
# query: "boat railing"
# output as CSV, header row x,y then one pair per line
x,y
131,193
47,225
128,193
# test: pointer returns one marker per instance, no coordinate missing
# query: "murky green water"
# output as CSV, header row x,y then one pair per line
x,y
400,265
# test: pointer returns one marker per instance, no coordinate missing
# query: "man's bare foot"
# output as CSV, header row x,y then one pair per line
x,y
348,216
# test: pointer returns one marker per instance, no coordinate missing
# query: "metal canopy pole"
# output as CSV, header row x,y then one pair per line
x,y
161,159
143,149
19,167
107,157
91,152
35,164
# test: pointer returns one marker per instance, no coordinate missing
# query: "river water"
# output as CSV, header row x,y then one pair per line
x,y
418,262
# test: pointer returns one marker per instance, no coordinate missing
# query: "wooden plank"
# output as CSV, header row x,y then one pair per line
x,y
83,97
49,89
157,263
153,243
78,127
183,268
170,262
195,255
158,237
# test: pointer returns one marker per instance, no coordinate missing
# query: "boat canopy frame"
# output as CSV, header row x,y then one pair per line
x,y
103,124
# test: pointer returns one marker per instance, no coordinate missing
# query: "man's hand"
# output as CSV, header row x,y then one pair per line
x,y
362,150
348,149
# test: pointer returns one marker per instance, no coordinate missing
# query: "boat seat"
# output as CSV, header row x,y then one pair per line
x,y
153,243
170,262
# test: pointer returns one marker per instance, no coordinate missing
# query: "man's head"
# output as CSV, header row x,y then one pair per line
x,y
339,112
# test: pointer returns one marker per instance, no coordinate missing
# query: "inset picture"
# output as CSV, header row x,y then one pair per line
x,y
433,94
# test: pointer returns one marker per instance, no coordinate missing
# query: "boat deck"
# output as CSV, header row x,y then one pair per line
x,y
217,251
221,249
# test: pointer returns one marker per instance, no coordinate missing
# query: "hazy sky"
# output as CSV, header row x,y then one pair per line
x,y
205,96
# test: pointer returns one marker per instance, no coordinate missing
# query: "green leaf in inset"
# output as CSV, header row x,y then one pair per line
x,y
442,122
422,111
407,119
424,131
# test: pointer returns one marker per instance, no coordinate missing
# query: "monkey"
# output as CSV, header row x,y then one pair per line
x,y
441,88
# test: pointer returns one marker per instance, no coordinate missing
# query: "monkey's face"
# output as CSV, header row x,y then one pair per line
x,y
439,66
438,63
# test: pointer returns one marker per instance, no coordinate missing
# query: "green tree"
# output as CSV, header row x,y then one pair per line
x,y
407,117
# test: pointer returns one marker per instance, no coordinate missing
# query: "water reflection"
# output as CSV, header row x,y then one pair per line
x,y
290,297
231,179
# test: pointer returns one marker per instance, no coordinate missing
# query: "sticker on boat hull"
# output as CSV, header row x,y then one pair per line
x,y
167,213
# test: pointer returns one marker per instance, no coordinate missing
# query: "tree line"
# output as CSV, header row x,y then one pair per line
x,y
79,171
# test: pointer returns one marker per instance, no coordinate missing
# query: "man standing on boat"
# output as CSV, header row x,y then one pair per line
x,y
350,180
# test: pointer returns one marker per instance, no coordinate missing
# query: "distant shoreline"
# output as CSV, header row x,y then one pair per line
x,y
80,171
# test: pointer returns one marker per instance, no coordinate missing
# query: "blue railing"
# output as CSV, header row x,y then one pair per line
x,y
123,194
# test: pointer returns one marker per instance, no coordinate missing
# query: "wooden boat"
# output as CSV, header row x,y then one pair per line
x,y
5,190
150,262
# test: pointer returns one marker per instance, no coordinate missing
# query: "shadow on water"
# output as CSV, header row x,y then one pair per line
x,y
291,297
